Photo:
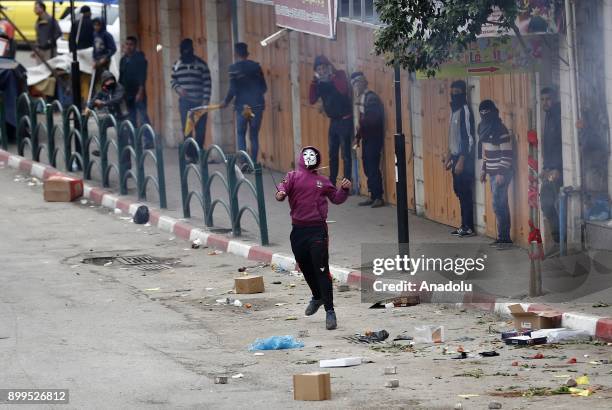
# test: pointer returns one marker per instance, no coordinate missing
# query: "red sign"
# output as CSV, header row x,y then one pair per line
x,y
317,17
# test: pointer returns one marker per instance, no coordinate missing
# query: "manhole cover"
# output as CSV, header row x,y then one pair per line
x,y
137,260
152,267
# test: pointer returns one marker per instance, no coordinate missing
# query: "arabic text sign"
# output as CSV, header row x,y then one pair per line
x,y
316,17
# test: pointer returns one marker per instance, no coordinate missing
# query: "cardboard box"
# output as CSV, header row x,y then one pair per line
x,y
62,189
533,320
249,284
525,340
312,386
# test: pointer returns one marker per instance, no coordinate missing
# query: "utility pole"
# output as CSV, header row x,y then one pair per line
x,y
400,168
75,69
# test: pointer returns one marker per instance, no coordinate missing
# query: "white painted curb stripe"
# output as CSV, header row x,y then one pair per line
x,y
340,274
109,201
38,170
238,248
580,321
165,223
87,191
14,161
285,262
199,234
133,208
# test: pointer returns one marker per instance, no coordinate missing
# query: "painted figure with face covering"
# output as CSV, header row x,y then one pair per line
x,y
308,193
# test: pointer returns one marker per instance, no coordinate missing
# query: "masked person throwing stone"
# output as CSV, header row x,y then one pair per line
x,y
308,193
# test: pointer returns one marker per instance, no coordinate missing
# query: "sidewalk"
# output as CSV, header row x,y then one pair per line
x,y
355,223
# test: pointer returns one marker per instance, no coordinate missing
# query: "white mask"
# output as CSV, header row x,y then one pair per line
x,y
310,158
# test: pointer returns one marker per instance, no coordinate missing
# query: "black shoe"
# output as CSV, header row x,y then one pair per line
x,y
378,203
504,246
367,202
246,169
461,232
330,320
313,306
455,232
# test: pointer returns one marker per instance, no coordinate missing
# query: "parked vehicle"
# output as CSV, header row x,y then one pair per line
x,y
21,13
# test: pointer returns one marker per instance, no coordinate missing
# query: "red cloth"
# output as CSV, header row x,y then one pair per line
x,y
532,137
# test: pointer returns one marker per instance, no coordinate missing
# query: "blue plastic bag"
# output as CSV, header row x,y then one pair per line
x,y
276,343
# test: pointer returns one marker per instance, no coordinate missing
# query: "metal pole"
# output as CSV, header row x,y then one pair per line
x,y
235,34
75,69
400,166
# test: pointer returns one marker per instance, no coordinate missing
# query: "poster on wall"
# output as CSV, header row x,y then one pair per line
x,y
534,17
316,17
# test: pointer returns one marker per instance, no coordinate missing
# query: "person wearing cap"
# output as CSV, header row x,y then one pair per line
x,y
47,32
332,87
82,32
308,193
371,135
497,164
191,81
459,158
247,89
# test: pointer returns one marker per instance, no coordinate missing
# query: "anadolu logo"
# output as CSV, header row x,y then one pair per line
x,y
319,184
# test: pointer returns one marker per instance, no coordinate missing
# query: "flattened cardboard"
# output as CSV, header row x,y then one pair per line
x,y
315,386
249,284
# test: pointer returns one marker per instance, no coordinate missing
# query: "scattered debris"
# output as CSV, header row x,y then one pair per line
x,y
305,361
83,201
343,288
277,282
221,380
303,333
237,303
249,284
571,383
391,370
196,243
248,305
600,305
343,362
258,354
215,252
109,263
477,374
238,376
141,217
118,211
392,348
183,290
392,383
152,289
468,396
279,304
312,386
495,405
291,318
402,301
402,337
572,361
491,353
429,334
276,343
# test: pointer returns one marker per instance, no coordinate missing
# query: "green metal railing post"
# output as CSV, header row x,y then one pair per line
x,y
140,171
261,205
161,174
231,185
183,176
207,200
3,132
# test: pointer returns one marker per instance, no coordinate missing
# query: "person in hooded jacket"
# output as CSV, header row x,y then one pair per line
x,y
308,193
459,158
104,48
247,88
110,100
497,147
333,88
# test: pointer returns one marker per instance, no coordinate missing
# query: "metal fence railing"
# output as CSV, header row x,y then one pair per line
x,y
231,184
79,140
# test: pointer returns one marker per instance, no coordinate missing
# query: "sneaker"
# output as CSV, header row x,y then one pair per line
x,y
504,246
367,202
246,169
378,203
465,232
313,306
330,320
455,232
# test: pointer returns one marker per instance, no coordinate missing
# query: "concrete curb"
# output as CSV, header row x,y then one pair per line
x,y
599,327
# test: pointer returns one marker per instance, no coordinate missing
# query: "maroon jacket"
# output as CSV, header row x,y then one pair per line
x,y
336,95
308,193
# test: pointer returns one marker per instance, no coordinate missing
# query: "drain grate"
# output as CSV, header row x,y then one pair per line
x,y
359,339
137,260
152,267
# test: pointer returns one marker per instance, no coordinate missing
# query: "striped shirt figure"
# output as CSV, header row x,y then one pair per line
x,y
497,147
191,81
